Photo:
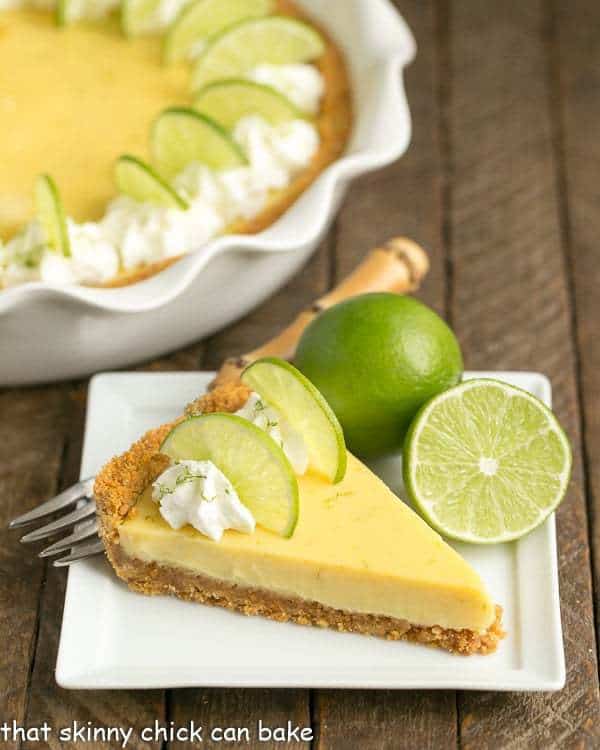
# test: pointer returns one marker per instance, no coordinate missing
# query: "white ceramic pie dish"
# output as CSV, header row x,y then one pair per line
x,y
50,332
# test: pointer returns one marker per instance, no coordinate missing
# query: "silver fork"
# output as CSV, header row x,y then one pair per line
x,y
83,541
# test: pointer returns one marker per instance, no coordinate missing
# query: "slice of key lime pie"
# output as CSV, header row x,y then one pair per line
x,y
135,131
252,502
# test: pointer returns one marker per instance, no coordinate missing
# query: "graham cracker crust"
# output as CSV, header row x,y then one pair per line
x,y
334,123
153,579
125,477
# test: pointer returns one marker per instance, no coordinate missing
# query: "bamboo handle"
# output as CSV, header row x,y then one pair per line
x,y
397,266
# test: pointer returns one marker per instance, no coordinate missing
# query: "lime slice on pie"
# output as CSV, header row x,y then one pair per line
x,y
252,461
282,386
229,100
206,18
486,462
277,40
181,136
140,182
51,214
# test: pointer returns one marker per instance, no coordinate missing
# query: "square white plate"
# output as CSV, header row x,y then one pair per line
x,y
113,638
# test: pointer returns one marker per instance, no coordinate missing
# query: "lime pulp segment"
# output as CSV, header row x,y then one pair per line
x,y
230,100
204,19
280,384
51,215
140,182
136,15
277,40
252,461
486,462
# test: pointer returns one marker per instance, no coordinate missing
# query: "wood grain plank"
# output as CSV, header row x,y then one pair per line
x,y
221,710
32,434
48,702
511,310
576,55
406,198
243,708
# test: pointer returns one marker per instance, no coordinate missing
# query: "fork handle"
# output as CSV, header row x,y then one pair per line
x,y
397,266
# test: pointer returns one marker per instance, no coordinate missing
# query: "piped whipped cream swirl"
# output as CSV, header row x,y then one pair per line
x,y
199,494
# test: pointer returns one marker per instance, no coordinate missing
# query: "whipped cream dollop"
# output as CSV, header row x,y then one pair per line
x,y
257,411
199,494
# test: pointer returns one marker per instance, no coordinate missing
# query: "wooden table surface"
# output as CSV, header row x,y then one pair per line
x,y
501,185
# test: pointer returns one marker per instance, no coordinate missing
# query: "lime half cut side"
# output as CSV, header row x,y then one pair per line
x,y
139,181
486,462
278,40
230,100
290,392
204,19
51,215
252,461
181,136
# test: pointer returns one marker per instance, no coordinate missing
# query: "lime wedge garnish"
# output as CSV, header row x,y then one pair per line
x,y
277,40
286,389
252,461
206,18
51,215
486,462
230,100
181,136
139,181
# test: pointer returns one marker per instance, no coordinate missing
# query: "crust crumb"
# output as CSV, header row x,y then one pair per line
x,y
228,398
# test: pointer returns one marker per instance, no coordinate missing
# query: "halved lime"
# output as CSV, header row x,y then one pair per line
x,y
229,100
139,181
292,394
252,461
51,214
181,136
486,462
277,40
206,18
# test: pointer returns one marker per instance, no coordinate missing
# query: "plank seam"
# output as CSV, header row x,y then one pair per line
x,y
554,83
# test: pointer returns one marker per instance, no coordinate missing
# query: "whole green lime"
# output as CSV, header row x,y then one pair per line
x,y
377,359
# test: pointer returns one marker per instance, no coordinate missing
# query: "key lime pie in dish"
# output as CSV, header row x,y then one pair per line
x,y
252,502
137,131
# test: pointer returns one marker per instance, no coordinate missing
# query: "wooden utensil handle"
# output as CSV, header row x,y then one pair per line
x,y
397,266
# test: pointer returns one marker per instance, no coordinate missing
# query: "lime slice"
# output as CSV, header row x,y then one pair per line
x,y
140,182
486,462
230,100
251,460
277,40
181,136
51,215
206,18
282,386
